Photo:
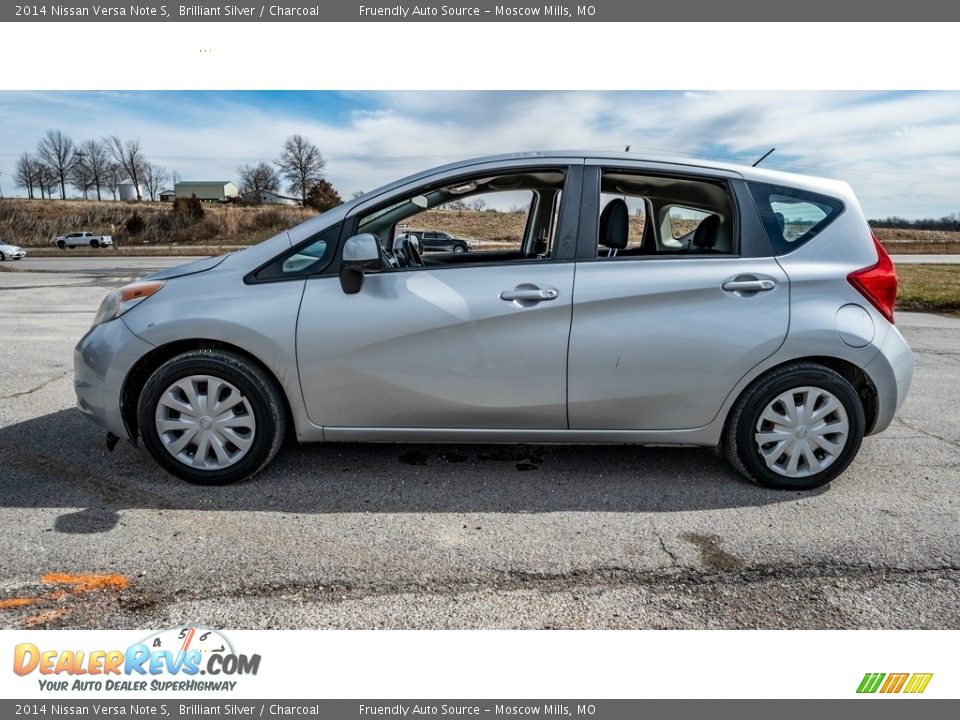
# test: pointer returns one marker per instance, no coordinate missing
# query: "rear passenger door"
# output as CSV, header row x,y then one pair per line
x,y
663,330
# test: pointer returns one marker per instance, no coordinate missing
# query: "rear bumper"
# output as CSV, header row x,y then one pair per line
x,y
891,371
101,361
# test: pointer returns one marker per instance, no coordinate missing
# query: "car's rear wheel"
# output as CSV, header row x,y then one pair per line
x,y
94,243
61,244
211,417
796,428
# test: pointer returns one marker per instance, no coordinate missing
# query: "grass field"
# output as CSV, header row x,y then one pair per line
x,y
929,288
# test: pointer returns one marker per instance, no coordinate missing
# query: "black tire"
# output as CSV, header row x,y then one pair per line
x,y
742,451
459,248
61,244
260,389
2,257
94,243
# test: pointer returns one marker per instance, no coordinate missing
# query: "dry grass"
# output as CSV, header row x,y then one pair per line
x,y
919,242
34,223
929,288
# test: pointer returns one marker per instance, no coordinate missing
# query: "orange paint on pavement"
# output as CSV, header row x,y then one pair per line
x,y
82,583
18,602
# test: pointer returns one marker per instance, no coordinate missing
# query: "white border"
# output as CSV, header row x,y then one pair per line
x,y
544,664
458,56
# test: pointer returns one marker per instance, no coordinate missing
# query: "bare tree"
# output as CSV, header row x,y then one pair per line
x,y
57,152
93,154
27,173
46,180
113,178
300,164
81,177
129,157
153,177
175,178
256,180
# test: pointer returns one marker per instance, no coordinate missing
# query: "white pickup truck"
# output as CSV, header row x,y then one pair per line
x,y
82,239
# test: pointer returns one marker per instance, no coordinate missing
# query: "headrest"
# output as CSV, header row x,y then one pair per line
x,y
615,224
781,221
706,234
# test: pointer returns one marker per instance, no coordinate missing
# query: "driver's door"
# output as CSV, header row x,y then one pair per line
x,y
438,348
478,344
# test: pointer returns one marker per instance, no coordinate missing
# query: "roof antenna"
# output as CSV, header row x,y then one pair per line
x,y
767,154
627,149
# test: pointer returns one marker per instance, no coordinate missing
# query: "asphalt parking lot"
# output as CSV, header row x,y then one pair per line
x,y
350,536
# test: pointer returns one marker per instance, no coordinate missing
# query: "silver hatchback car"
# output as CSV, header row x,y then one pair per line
x,y
609,299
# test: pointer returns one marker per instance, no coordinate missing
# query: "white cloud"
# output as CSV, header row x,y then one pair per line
x,y
901,151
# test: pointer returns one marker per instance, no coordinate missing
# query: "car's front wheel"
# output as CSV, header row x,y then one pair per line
x,y
459,249
2,257
211,417
796,428
61,244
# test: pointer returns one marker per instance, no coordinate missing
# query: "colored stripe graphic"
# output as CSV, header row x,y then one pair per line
x,y
918,682
870,682
894,683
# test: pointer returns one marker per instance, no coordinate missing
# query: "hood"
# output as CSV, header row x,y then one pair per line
x,y
8,246
190,268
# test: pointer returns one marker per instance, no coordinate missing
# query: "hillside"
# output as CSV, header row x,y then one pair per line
x,y
34,223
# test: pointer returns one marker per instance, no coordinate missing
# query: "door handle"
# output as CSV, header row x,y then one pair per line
x,y
748,285
530,294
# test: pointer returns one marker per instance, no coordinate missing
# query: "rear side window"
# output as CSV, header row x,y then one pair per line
x,y
793,217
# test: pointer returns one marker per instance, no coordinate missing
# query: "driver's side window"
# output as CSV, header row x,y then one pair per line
x,y
493,219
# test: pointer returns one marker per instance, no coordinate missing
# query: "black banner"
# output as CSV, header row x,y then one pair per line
x,y
853,709
480,11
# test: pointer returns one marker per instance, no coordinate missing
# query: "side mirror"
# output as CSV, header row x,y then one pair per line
x,y
361,254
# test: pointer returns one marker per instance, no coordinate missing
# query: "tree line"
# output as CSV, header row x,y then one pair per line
x,y
97,166
92,166
947,222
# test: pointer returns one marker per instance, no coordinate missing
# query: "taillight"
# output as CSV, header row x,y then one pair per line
x,y
878,283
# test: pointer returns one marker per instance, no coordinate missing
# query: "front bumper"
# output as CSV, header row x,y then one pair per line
x,y
101,362
16,255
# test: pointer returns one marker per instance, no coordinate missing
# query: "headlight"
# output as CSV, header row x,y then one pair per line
x,y
120,301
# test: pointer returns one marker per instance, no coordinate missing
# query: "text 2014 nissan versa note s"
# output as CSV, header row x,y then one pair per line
x,y
642,301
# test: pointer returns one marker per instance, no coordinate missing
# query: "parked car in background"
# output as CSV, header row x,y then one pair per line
x,y
11,252
647,301
82,239
439,241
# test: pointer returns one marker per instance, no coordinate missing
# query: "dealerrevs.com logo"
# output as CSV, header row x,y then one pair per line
x,y
179,659
892,683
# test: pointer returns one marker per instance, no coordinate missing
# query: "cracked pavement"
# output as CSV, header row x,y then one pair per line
x,y
353,536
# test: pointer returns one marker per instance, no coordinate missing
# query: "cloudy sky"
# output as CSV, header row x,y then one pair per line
x,y
900,150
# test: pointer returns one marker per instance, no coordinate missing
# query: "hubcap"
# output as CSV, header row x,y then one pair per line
x,y
205,422
802,432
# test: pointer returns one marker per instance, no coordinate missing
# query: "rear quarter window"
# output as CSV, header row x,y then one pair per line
x,y
793,217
